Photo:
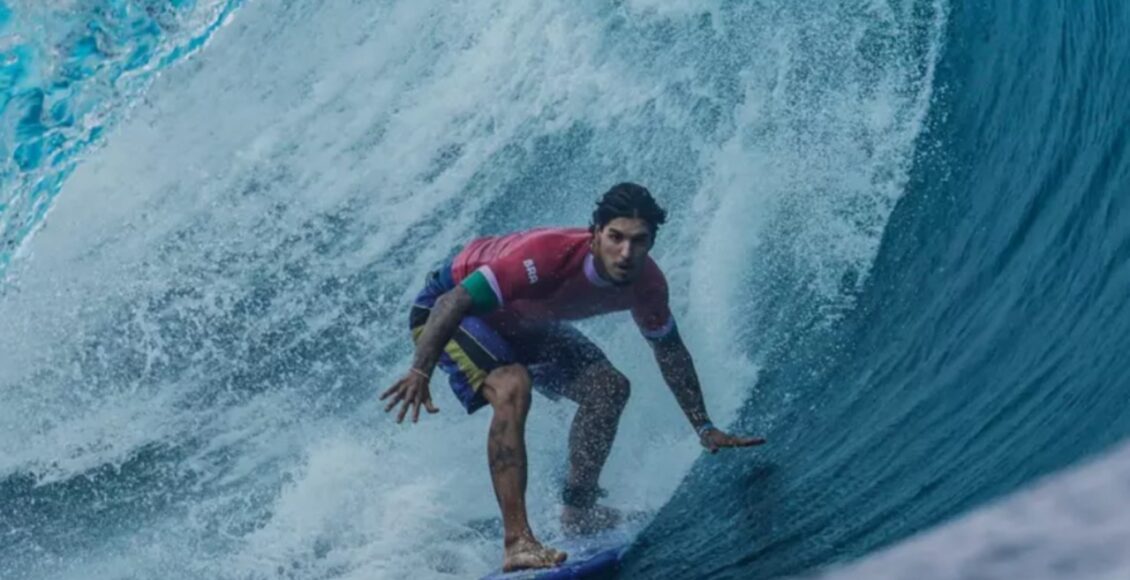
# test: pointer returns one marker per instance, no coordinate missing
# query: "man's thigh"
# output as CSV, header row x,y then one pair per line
x,y
562,361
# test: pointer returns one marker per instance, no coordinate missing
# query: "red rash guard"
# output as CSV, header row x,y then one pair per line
x,y
545,275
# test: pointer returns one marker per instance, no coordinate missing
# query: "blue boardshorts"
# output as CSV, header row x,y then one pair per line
x,y
555,354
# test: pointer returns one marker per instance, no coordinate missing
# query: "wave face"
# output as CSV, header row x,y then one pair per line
x,y
986,346
895,251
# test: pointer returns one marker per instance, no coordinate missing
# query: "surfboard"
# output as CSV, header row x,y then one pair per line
x,y
591,556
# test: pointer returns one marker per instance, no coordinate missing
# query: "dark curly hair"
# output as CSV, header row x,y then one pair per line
x,y
628,200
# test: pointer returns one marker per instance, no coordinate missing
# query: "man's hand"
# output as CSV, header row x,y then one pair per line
x,y
410,391
714,439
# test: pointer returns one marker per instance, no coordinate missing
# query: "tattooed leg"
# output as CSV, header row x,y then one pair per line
x,y
508,391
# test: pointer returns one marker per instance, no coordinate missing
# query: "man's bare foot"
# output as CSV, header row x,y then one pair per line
x,y
524,554
580,521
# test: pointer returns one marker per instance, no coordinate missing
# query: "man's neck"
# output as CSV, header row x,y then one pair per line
x,y
602,277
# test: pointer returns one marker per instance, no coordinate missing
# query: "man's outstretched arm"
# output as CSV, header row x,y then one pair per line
x,y
411,390
678,370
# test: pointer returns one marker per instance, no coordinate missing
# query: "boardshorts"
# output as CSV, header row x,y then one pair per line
x,y
555,354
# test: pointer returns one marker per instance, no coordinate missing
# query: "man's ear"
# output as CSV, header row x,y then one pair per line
x,y
595,230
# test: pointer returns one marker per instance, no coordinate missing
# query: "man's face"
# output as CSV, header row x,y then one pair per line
x,y
621,248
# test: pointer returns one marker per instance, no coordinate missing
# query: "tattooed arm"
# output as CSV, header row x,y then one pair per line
x,y
411,391
678,370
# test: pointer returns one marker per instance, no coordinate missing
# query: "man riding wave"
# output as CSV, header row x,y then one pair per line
x,y
496,320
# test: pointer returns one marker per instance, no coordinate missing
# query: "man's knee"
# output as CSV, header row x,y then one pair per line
x,y
610,387
508,387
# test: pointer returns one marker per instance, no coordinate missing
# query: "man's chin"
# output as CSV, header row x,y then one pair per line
x,y
622,279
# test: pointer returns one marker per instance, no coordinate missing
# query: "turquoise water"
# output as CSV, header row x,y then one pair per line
x,y
898,251
987,346
68,71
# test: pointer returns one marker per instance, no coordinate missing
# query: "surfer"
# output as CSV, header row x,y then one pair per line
x,y
495,318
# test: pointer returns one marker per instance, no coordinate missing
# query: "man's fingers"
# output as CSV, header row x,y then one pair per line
x,y
716,440
403,410
410,397
731,441
396,399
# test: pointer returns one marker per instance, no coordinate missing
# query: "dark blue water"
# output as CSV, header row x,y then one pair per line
x,y
899,250
988,346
